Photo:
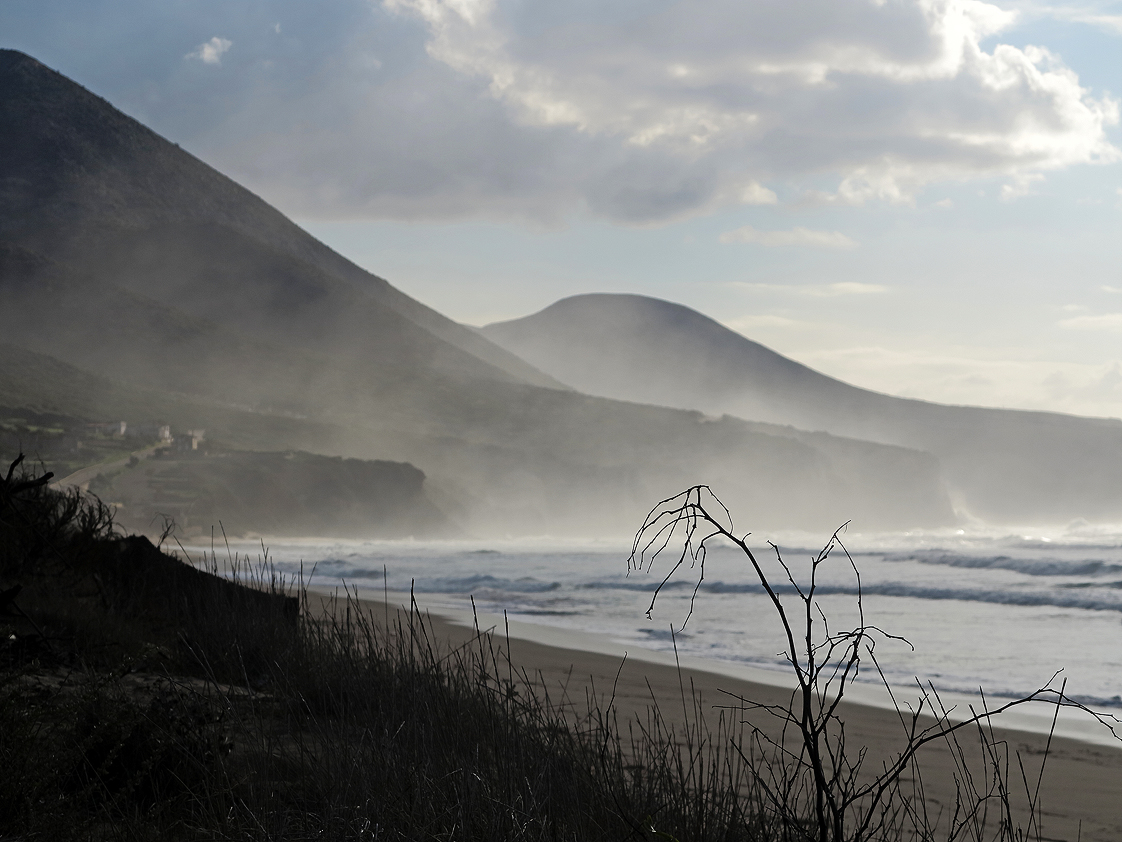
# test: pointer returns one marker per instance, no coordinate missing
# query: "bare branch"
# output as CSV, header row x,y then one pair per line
x,y
815,787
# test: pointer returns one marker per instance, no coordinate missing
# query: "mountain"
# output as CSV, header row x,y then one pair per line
x,y
1002,465
84,183
143,285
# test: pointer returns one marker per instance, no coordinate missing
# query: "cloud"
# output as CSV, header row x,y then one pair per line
x,y
793,237
756,194
962,377
640,113
854,288
888,96
747,324
1104,321
1102,393
1020,186
1097,14
211,52
815,290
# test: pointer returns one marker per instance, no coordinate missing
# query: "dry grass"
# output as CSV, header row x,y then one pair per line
x,y
201,713
221,721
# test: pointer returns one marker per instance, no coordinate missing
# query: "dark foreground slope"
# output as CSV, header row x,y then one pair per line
x,y
144,698
1006,465
195,304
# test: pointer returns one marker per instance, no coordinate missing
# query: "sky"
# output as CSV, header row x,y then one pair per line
x,y
922,197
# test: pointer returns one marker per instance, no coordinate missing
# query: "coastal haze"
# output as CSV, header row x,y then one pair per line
x,y
182,350
1000,466
189,354
434,300
153,290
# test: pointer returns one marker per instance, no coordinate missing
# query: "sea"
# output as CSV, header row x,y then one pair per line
x,y
1001,611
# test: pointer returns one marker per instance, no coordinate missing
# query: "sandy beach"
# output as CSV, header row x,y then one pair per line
x,y
1081,792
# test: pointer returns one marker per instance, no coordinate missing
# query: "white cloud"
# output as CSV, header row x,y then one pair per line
x,y
1020,186
747,324
854,288
1104,321
1108,288
1098,14
792,237
756,194
211,52
815,290
721,95
644,113
1104,392
974,376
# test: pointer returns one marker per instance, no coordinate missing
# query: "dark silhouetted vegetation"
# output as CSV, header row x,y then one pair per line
x,y
815,785
144,698
201,709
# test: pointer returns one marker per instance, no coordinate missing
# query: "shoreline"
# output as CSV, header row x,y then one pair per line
x,y
1034,718
1081,794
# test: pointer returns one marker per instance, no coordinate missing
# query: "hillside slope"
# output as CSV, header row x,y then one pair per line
x,y
129,264
78,177
1004,465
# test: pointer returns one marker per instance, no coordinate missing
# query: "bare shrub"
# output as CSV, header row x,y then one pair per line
x,y
816,786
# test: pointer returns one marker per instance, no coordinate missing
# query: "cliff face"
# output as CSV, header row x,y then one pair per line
x,y
133,265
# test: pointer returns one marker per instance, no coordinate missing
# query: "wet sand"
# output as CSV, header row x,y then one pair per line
x,y
1081,792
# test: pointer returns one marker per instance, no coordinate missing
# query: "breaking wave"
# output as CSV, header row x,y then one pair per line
x,y
1027,566
477,583
1093,596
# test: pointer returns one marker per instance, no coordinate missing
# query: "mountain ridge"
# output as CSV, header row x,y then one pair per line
x,y
193,303
1002,463
129,160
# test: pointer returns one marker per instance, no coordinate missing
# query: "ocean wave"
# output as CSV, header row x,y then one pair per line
x,y
483,582
1028,566
662,634
1059,598
328,565
1098,701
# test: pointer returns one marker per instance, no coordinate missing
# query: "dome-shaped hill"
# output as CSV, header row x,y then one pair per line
x,y
1000,464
